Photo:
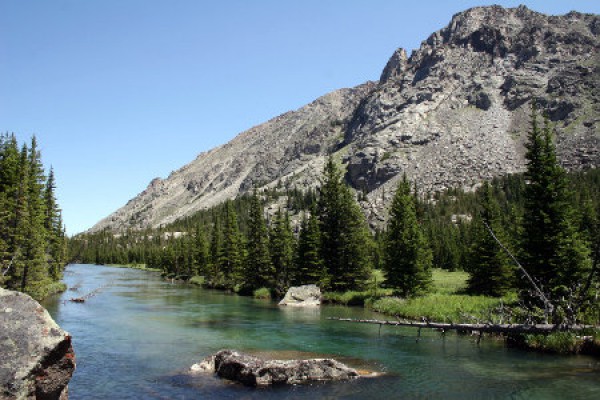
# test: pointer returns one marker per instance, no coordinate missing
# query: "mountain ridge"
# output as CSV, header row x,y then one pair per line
x,y
451,115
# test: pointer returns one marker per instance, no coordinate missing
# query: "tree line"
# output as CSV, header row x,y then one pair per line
x,y
33,249
236,246
545,218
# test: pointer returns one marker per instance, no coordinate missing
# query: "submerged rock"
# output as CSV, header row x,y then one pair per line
x,y
36,356
302,296
254,371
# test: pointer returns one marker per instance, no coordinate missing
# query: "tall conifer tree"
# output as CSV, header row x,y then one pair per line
x,y
407,256
345,239
231,254
259,270
310,263
492,272
554,253
216,246
282,251
201,252
54,229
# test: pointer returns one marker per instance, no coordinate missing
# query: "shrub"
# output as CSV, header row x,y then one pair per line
x,y
262,293
197,280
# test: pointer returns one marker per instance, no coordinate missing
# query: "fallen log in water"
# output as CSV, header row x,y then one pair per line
x,y
77,299
88,296
483,328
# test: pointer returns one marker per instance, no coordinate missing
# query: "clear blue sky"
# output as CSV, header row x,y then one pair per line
x,y
121,91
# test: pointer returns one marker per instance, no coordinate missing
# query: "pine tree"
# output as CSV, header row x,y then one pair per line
x,y
407,256
187,246
310,263
492,271
37,237
330,221
282,251
20,226
216,246
259,271
54,229
10,184
231,253
4,254
554,253
357,245
30,263
345,239
201,252
168,261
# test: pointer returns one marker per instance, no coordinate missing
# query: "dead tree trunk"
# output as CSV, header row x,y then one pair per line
x,y
486,328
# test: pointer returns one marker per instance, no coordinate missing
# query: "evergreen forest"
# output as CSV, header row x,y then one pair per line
x,y
33,244
535,235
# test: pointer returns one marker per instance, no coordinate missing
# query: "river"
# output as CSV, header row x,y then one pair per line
x,y
138,335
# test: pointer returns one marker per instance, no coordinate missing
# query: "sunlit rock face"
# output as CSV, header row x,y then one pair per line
x,y
453,113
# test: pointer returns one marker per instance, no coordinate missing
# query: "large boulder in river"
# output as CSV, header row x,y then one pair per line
x,y
302,296
254,371
36,356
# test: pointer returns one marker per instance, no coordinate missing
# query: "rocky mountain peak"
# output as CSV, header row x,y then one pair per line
x,y
456,111
395,67
452,114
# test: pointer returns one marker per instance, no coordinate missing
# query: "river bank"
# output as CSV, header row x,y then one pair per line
x,y
447,304
140,334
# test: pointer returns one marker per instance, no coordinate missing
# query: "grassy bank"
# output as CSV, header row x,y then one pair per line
x,y
559,343
446,302
440,307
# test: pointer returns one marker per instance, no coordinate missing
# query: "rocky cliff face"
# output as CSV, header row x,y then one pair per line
x,y
457,110
453,113
36,357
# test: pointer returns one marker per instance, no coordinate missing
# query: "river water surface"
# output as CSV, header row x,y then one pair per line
x,y
138,335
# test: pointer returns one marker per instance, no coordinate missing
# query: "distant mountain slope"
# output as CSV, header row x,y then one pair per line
x,y
294,144
453,113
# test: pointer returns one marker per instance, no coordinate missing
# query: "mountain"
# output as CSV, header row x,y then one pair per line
x,y
452,114
292,146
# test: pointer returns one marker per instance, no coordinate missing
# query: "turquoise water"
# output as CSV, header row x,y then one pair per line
x,y
138,336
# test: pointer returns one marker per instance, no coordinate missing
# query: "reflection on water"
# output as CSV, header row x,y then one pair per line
x,y
138,336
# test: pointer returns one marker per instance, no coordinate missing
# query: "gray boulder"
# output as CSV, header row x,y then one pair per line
x,y
36,356
302,296
254,371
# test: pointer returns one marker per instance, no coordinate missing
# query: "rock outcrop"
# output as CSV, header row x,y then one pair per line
x,y
457,110
453,113
36,356
254,371
302,296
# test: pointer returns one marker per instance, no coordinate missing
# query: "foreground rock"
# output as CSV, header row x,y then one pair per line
x,y
302,296
36,356
254,371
